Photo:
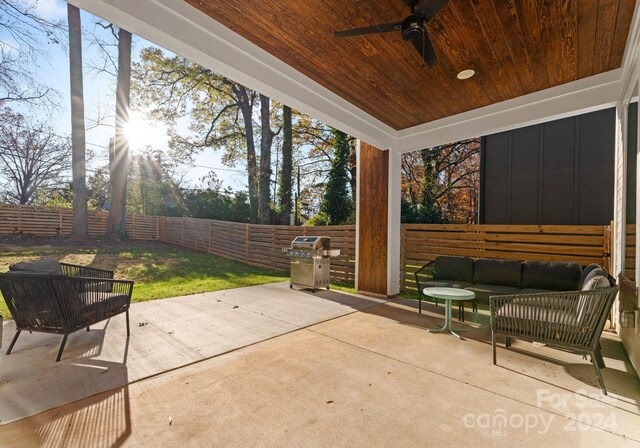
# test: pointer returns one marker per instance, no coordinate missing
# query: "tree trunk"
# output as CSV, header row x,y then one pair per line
x,y
116,224
286,183
80,230
266,140
353,179
252,172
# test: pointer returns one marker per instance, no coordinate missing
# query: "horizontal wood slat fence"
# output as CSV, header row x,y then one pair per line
x,y
258,245
57,222
261,245
422,243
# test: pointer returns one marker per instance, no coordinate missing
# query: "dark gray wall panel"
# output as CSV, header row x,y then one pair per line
x,y
525,158
559,172
595,167
496,168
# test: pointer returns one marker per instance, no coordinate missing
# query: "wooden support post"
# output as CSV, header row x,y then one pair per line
x,y
373,189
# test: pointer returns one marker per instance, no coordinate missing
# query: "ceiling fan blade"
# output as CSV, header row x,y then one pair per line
x,y
425,48
384,28
430,8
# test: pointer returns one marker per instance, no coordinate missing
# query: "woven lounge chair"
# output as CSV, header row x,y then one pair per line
x,y
571,320
51,297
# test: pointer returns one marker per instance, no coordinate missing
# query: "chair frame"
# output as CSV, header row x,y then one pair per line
x,y
50,303
583,316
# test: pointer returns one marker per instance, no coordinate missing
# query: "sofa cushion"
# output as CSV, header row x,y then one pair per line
x,y
595,280
454,268
586,272
47,265
483,292
488,271
551,275
597,273
445,284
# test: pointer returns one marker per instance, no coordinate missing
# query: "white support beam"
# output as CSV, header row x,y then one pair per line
x,y
393,224
186,31
574,98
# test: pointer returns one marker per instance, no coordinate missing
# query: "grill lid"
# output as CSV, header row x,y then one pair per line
x,y
311,242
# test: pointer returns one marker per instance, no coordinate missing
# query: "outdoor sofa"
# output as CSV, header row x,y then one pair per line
x,y
51,297
555,303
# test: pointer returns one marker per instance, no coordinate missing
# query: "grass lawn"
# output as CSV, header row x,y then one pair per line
x,y
159,270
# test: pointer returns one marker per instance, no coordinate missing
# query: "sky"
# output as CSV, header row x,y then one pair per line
x,y
99,96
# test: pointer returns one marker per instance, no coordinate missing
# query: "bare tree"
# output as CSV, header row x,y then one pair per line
x,y
33,159
80,230
265,160
26,35
120,159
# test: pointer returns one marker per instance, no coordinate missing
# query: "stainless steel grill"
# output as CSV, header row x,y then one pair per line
x,y
311,261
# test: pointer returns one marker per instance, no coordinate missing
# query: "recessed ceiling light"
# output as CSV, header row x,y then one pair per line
x,y
466,74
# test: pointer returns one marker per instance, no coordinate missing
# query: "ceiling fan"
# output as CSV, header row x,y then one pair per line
x,y
412,28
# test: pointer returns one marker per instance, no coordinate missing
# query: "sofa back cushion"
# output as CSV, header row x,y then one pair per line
x,y
555,276
46,265
454,268
597,279
498,272
586,271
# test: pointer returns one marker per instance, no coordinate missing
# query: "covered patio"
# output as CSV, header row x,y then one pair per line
x,y
265,366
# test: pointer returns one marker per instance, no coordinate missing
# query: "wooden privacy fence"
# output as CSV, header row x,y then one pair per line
x,y
261,245
49,221
258,245
422,243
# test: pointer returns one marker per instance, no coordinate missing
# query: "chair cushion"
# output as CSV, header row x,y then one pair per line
x,y
488,271
483,292
46,265
537,314
554,276
454,268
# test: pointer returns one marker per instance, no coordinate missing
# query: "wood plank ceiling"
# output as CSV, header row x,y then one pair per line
x,y
515,47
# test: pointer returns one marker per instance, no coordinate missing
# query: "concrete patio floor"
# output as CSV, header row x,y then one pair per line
x,y
369,378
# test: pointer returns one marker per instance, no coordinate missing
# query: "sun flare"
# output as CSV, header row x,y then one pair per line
x,y
139,131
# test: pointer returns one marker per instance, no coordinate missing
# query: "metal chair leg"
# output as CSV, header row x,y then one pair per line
x,y
127,313
598,359
598,373
419,305
507,342
87,328
13,341
493,346
64,341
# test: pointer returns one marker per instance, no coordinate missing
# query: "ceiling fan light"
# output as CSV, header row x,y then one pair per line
x,y
466,74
